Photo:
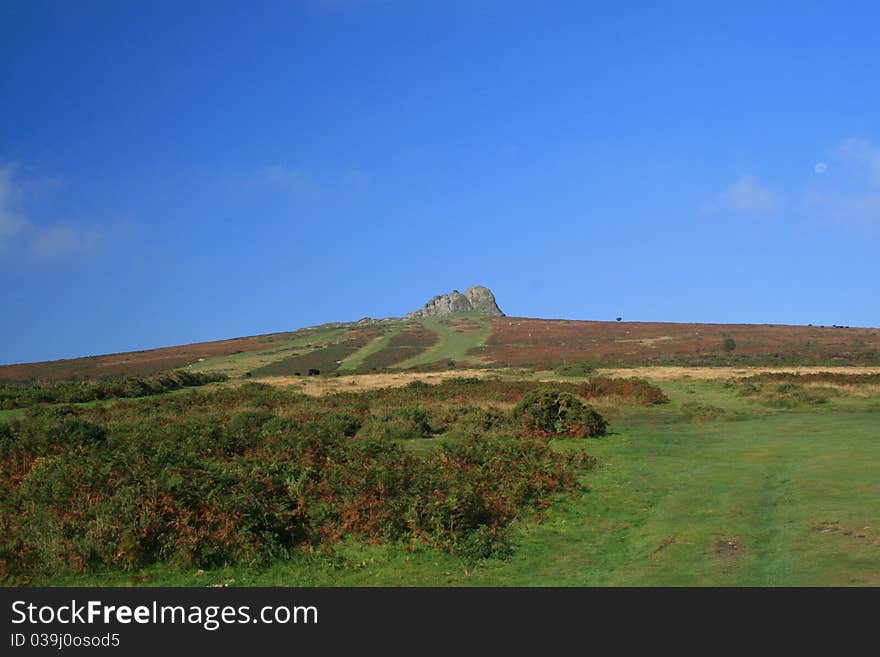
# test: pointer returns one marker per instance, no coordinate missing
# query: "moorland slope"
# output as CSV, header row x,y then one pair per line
x,y
476,340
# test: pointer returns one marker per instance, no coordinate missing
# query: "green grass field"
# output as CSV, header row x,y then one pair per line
x,y
761,497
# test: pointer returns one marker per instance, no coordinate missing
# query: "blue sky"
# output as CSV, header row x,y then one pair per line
x,y
173,172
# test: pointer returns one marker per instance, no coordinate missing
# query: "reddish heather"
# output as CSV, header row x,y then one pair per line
x,y
546,343
409,342
540,343
140,363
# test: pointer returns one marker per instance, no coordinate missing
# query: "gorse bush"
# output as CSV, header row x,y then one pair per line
x,y
547,411
405,423
419,418
632,389
484,543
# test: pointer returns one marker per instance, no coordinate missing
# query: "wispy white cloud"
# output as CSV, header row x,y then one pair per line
x,y
852,195
862,158
747,196
41,242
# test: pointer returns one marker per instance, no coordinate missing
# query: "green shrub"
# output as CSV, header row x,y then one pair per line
x,y
784,395
75,392
548,411
341,423
245,429
7,440
419,418
406,423
478,420
635,389
579,368
699,412
484,543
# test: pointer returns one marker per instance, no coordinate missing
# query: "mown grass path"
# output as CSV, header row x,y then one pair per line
x,y
452,345
790,498
377,344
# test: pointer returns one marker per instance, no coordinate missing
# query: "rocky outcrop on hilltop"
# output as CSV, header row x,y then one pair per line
x,y
483,301
475,299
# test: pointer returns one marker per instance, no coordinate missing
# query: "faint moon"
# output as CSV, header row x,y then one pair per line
x,y
820,167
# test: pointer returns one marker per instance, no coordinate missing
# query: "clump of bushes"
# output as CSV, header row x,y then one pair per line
x,y
341,423
73,392
247,474
638,390
551,412
209,492
788,394
464,390
405,423
816,377
578,368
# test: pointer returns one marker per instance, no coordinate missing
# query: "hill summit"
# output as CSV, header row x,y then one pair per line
x,y
475,299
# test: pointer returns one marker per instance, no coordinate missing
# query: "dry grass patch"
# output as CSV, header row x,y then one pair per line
x,y
357,382
670,373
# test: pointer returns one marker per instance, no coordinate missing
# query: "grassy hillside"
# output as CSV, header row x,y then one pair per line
x,y
456,339
207,355
471,339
